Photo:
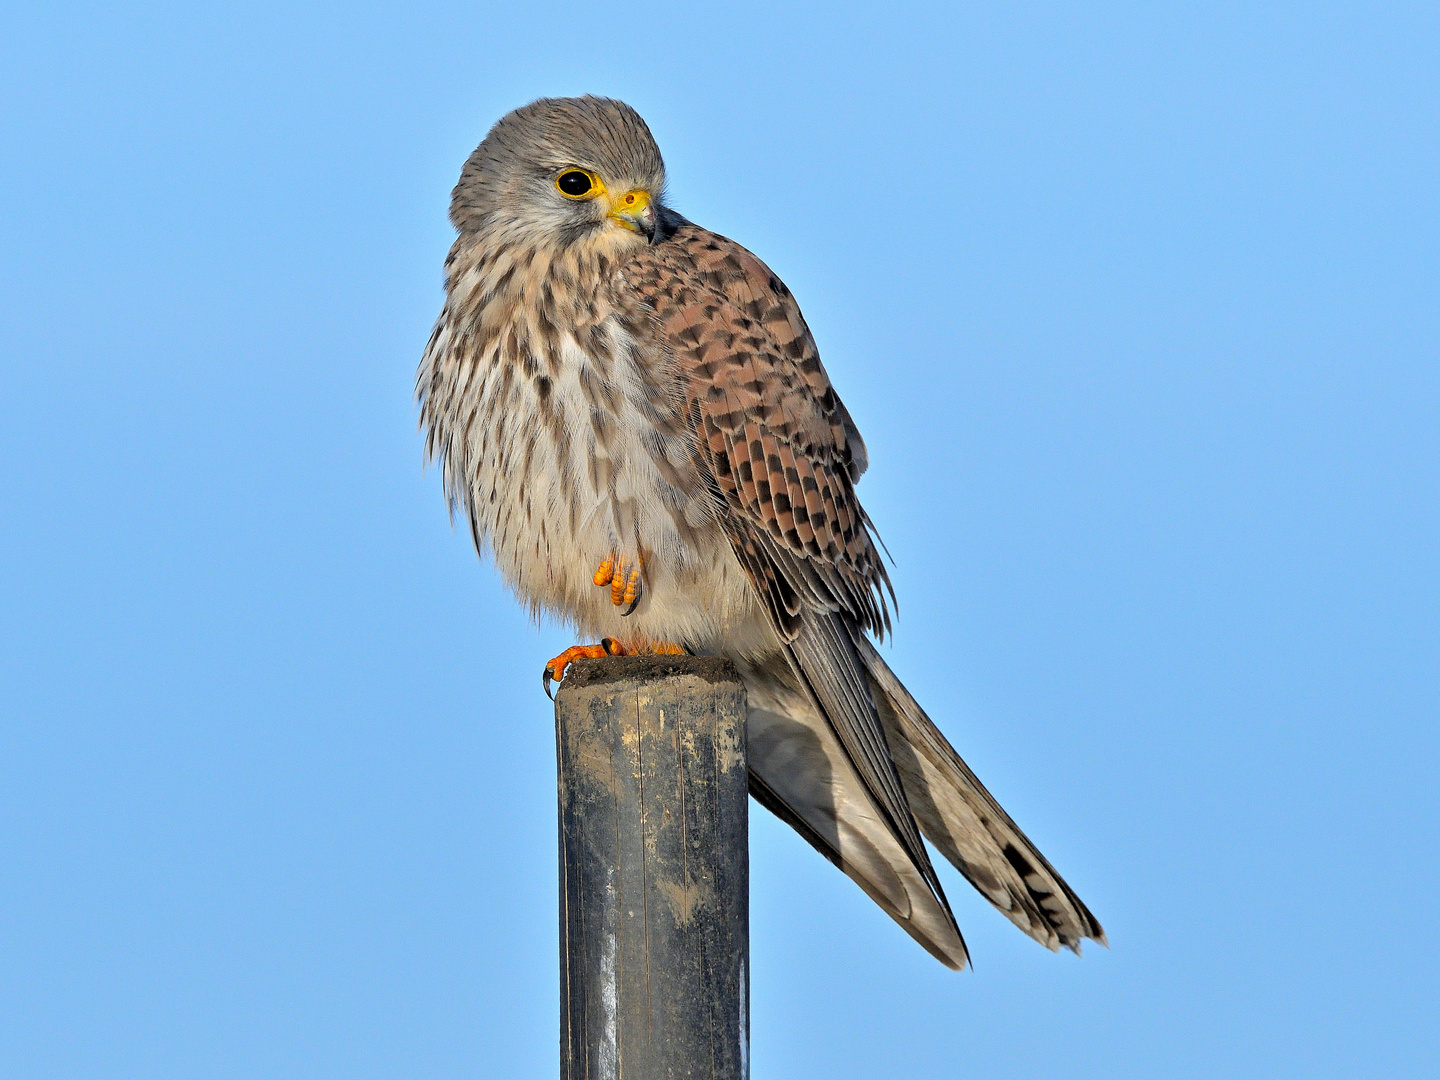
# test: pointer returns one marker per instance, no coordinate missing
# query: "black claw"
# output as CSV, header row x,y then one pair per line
x,y
630,607
545,682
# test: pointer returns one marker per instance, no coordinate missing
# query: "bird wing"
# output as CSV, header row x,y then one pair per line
x,y
784,455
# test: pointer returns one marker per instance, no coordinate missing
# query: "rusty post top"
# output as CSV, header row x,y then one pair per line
x,y
713,669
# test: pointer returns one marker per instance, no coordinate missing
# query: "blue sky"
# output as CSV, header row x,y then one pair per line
x,y
1138,308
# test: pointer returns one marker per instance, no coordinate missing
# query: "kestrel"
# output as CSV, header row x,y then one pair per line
x,y
632,414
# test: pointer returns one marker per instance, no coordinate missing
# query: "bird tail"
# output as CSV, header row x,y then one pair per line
x,y
968,826
803,773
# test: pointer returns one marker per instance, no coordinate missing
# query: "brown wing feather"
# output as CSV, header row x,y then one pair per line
x,y
776,437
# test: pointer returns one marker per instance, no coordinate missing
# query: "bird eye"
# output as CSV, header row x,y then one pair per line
x,y
578,184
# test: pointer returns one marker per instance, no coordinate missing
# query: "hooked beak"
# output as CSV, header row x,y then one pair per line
x,y
634,211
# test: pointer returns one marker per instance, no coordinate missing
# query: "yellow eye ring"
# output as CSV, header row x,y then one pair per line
x,y
578,184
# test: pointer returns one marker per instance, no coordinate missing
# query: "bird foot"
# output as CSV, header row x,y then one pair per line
x,y
555,669
623,577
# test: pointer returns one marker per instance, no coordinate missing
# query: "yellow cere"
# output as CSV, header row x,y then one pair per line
x,y
629,205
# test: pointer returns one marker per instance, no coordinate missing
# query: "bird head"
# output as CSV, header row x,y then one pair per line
x,y
564,171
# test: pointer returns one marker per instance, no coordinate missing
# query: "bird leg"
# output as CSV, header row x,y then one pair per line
x,y
555,669
625,586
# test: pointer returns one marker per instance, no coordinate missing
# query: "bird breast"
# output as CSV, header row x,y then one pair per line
x,y
562,431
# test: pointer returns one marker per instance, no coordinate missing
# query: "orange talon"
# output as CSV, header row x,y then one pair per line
x,y
617,584
606,572
555,669
632,587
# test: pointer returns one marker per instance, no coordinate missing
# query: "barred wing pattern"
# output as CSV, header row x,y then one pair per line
x,y
780,443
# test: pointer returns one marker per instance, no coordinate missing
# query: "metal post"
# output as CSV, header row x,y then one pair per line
x,y
654,870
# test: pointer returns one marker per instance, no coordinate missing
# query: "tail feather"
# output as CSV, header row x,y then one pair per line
x,y
828,663
968,826
801,772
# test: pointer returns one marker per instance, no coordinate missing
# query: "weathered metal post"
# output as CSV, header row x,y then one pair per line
x,y
654,870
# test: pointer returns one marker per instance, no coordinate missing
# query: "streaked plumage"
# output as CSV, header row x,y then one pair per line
x,y
608,382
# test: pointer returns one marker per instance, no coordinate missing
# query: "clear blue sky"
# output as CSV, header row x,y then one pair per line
x,y
1138,307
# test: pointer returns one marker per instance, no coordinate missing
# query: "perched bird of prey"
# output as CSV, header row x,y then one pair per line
x,y
633,416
